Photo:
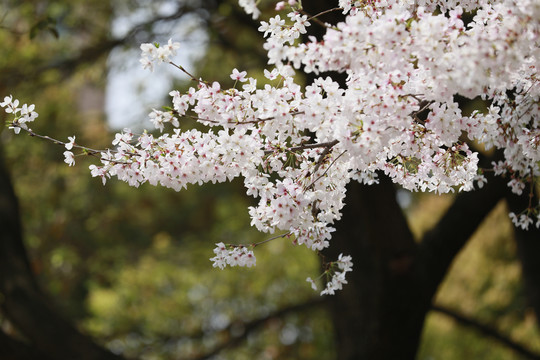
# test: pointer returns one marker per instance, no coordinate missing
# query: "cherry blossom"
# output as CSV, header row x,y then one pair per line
x,y
238,76
71,142
250,7
154,52
69,158
297,147
23,114
232,256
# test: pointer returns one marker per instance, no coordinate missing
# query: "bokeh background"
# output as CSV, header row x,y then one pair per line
x,y
130,267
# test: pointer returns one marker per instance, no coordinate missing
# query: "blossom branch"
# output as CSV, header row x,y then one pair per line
x,y
313,17
327,145
192,77
316,19
325,172
256,121
86,150
270,239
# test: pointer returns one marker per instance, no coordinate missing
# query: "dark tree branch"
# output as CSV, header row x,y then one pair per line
x,y
92,53
488,331
235,337
441,244
228,40
12,349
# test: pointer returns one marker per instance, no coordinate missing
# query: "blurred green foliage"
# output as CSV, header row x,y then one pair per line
x,y
131,265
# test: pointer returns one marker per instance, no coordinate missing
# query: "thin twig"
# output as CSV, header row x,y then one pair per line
x,y
325,171
87,150
307,146
315,18
253,245
181,68
256,121
324,12
272,238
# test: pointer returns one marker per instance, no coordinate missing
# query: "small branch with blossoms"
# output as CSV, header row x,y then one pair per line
x,y
235,122
238,255
243,256
22,115
225,254
326,145
334,273
318,165
152,53
68,155
315,18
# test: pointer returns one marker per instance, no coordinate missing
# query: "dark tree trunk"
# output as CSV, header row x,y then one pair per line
x,y
528,248
375,315
380,313
24,304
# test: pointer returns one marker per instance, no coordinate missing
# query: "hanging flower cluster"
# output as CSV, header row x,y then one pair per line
x,y
297,147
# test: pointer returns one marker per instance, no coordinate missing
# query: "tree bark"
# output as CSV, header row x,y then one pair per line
x,y
13,349
374,315
21,300
380,314
528,249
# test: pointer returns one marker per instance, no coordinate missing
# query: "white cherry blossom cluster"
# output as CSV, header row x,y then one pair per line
x,y
336,271
22,115
227,255
250,7
154,52
296,147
